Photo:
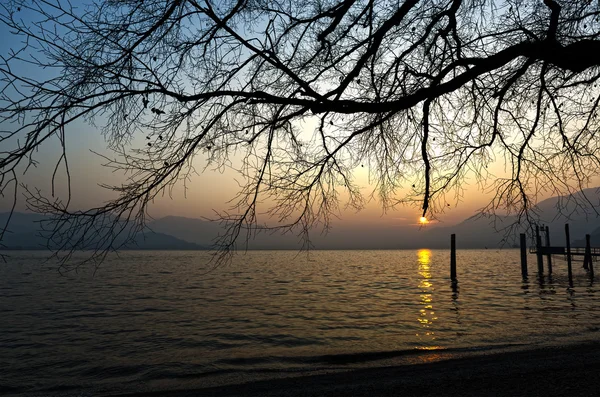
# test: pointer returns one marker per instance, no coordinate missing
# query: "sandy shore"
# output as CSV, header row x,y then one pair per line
x,y
565,371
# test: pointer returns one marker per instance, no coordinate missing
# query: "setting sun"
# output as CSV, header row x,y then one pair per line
x,y
423,220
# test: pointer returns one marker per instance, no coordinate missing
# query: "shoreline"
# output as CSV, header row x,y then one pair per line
x,y
546,371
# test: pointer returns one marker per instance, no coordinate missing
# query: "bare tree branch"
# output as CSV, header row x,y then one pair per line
x,y
427,94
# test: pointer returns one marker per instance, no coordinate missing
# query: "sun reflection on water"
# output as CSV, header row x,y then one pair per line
x,y
427,315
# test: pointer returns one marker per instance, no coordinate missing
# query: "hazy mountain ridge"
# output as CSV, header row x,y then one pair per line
x,y
24,233
173,232
554,212
594,239
205,232
473,232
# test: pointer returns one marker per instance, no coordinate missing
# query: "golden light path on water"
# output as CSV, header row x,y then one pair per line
x,y
426,313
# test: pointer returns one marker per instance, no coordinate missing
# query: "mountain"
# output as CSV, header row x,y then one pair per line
x,y
341,236
24,233
581,220
594,239
21,222
187,229
474,232
172,232
204,233
554,212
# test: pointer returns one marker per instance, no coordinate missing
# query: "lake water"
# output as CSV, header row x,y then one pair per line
x,y
157,320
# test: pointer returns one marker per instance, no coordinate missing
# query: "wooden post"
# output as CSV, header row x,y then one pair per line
x,y
523,255
585,254
538,249
588,253
453,257
549,255
569,267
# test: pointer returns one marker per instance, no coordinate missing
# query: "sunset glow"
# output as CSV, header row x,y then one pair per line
x,y
423,220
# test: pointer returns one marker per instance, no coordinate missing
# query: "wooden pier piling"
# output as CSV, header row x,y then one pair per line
x,y
570,254
453,257
549,255
588,255
523,243
538,250
569,267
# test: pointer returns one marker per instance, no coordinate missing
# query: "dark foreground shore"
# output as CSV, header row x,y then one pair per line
x,y
564,371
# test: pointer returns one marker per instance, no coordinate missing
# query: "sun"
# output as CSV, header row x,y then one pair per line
x,y
423,220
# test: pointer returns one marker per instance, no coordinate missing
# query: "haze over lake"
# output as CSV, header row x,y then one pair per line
x,y
158,320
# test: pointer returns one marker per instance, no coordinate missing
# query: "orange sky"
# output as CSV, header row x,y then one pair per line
x,y
211,190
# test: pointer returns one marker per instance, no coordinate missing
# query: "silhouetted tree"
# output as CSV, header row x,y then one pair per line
x,y
423,93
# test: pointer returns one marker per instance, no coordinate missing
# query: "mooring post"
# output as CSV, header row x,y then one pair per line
x,y
588,253
538,250
523,255
453,257
549,255
569,268
586,257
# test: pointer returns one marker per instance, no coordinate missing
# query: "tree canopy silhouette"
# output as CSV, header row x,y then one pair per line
x,y
423,93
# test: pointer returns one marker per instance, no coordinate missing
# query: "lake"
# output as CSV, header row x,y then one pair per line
x,y
151,320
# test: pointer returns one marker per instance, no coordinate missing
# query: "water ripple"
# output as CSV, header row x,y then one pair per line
x,y
150,317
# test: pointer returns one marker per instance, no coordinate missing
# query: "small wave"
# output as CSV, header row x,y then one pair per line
x,y
339,359
60,388
286,340
25,345
170,374
359,357
210,344
87,315
108,372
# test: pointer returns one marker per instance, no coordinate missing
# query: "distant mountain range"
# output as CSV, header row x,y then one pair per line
x,y
474,232
555,212
594,239
179,233
24,233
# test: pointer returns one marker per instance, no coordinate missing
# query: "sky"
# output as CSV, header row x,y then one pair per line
x,y
208,192
87,173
